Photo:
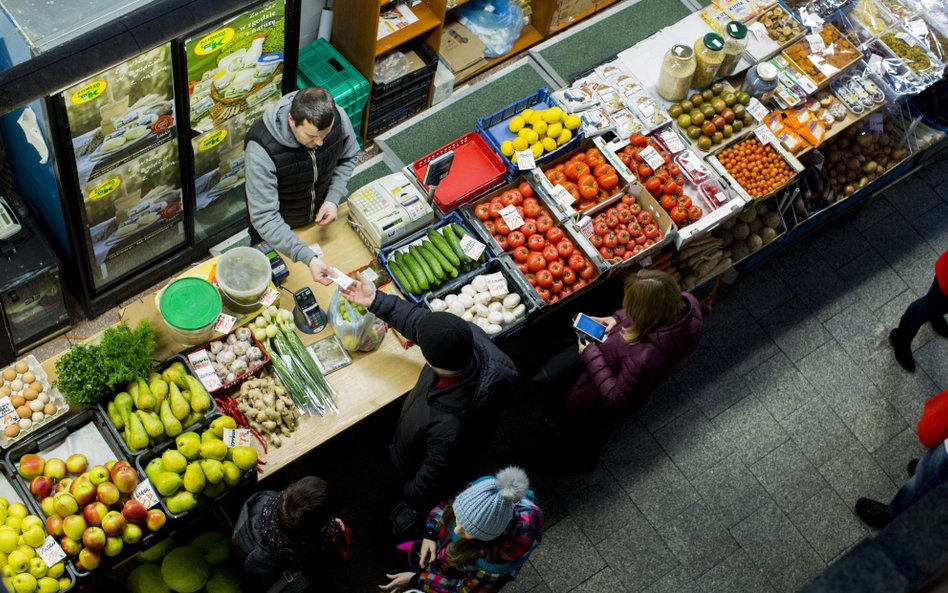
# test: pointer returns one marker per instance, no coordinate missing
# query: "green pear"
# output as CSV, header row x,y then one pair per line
x,y
145,400
186,394
192,419
167,483
179,405
189,445
158,387
208,435
135,436
214,450
152,423
244,457
194,480
214,490
181,502
232,473
220,423
117,420
154,467
213,471
123,403
200,399
172,426
175,374
132,389
174,461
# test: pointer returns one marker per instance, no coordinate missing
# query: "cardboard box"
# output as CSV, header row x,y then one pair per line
x,y
461,50
443,83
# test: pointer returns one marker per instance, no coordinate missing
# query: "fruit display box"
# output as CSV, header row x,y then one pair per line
x,y
494,130
386,254
791,160
211,379
14,387
721,106
83,434
475,169
247,480
821,67
542,177
516,284
115,433
770,32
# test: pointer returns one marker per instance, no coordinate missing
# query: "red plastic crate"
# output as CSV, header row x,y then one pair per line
x,y
475,170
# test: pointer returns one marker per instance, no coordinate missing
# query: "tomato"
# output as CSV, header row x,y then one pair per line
x,y
544,293
622,207
516,239
619,250
482,211
526,190
521,254
622,237
673,170
579,284
635,209
641,239
669,202
529,228
495,208
645,172
679,214
608,181
638,140
511,197
694,213
649,243
671,188
550,253
544,224
532,278
554,235
654,186
600,228
536,262
625,158
610,240
644,217
544,278
575,169
606,252
587,204
531,208
502,241
612,222
523,268
587,186
651,231
536,242
565,248
628,199
569,276
579,156
555,176
577,262
684,201
555,268
557,286
594,157
635,229
596,240
567,290
638,249
489,225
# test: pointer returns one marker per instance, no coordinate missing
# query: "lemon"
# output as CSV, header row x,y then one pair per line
x,y
513,159
554,130
536,117
532,137
537,149
572,122
520,143
549,144
526,114
553,115
564,137
507,148
516,124
540,128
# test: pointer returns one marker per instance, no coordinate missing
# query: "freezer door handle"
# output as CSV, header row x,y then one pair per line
x,y
27,121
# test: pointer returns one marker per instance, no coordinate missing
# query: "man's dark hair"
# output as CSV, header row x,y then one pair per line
x,y
305,506
315,105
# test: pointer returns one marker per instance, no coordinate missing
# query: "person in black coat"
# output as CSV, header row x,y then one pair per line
x,y
448,419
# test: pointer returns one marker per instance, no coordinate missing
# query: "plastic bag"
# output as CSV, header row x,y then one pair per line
x,y
497,23
356,330
391,66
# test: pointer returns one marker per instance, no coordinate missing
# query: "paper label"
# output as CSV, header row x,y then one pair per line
x,y
876,123
340,278
918,28
672,141
472,247
50,551
652,157
757,109
370,275
145,494
8,413
645,261
269,297
764,134
646,108
562,196
759,31
525,159
825,68
415,208
316,249
496,284
224,323
586,227
234,437
201,364
511,217
817,45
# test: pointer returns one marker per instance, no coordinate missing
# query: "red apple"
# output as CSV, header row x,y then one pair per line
x,y
116,466
54,526
93,538
99,474
107,493
113,523
73,526
55,469
31,466
77,463
63,485
89,560
84,493
125,478
156,519
65,504
41,487
70,546
131,534
135,512
94,512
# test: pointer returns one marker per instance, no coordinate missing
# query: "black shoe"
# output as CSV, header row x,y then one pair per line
x,y
940,326
903,352
872,512
911,467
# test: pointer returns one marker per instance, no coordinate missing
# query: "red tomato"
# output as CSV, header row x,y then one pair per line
x,y
569,276
644,217
577,262
523,268
576,169
544,278
610,240
482,211
587,204
679,213
671,188
600,228
555,268
521,254
641,239
685,201
544,293
594,157
649,243
673,170
625,158
669,202
588,188
489,225
622,237
579,284
638,140
606,252
565,248
596,240
694,213
557,286
554,235
645,171
612,222
619,250
536,262
628,199
511,197
635,229
529,228
608,181
536,242
502,241
550,253
532,278
555,176
638,249
635,209
531,207
516,239
501,227
495,208
526,190
567,290
588,272
544,224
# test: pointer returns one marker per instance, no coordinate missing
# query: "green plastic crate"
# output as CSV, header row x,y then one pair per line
x,y
321,65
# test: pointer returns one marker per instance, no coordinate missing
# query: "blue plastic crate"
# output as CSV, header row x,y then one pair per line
x,y
452,217
493,129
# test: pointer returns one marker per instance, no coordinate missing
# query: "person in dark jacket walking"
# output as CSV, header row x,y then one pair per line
x,y
931,308
291,534
298,159
448,419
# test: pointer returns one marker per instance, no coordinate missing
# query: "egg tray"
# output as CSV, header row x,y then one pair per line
x,y
54,394
102,411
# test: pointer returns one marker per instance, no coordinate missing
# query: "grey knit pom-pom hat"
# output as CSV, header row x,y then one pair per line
x,y
486,507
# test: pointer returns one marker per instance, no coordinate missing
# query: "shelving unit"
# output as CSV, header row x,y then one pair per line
x,y
528,38
842,125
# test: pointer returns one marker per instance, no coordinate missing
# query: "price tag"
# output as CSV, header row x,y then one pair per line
x,y
876,123
824,67
224,323
204,370
652,157
50,551
316,249
585,225
759,31
817,45
757,109
918,28
8,413
511,217
764,134
525,160
269,297
905,37
370,275
496,284
672,141
645,261
340,278
145,494
472,247
562,196
237,437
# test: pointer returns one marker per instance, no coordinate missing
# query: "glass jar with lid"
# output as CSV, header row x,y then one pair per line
x,y
735,40
709,54
678,67
761,82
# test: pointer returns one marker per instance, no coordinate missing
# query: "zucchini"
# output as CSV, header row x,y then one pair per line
x,y
415,268
420,258
425,249
439,241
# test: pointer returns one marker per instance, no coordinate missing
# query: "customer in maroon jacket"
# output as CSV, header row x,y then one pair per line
x,y
931,308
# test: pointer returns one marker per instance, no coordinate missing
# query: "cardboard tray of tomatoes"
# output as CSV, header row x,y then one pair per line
x,y
543,249
714,161
588,178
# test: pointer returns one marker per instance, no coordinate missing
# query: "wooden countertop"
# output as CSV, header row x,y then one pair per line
x,y
372,380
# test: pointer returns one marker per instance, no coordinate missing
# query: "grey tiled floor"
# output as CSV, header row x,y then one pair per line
x,y
741,472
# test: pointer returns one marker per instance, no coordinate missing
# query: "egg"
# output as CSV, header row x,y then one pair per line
x,y
9,374
28,394
28,377
16,385
36,386
36,405
22,367
12,430
26,423
5,391
38,417
43,398
49,409
24,411
17,401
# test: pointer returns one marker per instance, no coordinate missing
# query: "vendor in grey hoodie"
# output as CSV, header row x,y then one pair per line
x,y
298,157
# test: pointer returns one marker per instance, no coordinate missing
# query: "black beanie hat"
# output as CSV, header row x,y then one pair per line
x,y
446,341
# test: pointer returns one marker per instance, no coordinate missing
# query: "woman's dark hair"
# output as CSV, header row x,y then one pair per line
x,y
464,551
315,105
305,506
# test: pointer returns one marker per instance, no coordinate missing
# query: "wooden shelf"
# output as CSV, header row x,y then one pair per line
x,y
842,125
528,38
426,22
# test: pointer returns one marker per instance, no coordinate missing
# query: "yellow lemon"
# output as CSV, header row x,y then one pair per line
x,y
526,114
513,159
553,115
549,144
536,117
537,149
540,128
516,124
564,137
520,143
572,122
506,147
532,136
554,130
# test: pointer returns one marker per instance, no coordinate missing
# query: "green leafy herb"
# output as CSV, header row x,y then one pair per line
x,y
80,376
126,355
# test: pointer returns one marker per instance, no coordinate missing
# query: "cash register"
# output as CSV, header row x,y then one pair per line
x,y
388,209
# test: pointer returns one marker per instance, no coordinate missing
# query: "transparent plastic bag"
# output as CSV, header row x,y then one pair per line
x,y
357,330
497,23
391,66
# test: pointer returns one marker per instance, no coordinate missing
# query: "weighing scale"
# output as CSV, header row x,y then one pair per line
x,y
387,210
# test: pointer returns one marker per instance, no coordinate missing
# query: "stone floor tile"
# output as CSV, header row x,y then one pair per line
x,y
780,386
893,457
822,290
788,476
795,330
834,373
853,473
677,581
794,260
693,443
818,431
665,404
743,344
762,291
737,574
872,210
604,580
749,429
527,580
934,227
907,392
724,310
869,416
566,558
890,314
933,359
828,524
913,197
858,331
721,391
637,556
872,279
839,243
599,505
730,491
697,539
918,270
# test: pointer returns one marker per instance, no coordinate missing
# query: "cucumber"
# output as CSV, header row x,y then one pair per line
x,y
460,231
401,276
439,241
412,284
420,258
447,266
435,265
455,242
415,268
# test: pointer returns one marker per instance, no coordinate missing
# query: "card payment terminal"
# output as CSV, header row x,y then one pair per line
x,y
388,209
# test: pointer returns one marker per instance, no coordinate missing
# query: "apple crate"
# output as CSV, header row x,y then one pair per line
x,y
101,410
85,434
246,483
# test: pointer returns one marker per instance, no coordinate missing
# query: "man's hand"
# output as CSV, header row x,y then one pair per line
x,y
361,292
327,213
609,322
320,271
428,552
399,582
